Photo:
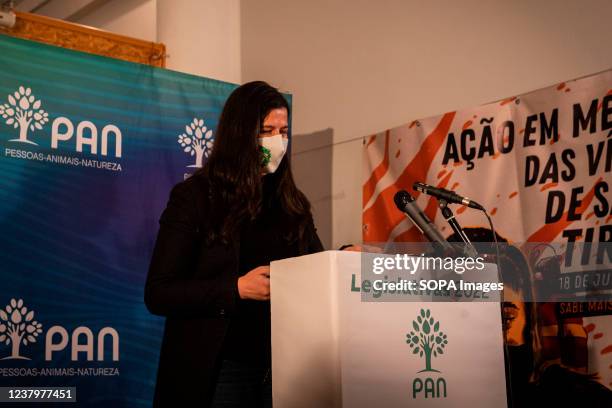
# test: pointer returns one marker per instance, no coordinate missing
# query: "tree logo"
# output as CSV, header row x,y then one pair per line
x,y
197,141
426,339
17,327
23,111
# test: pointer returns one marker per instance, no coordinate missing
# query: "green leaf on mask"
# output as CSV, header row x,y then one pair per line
x,y
266,156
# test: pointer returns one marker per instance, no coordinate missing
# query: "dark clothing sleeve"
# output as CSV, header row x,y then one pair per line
x,y
171,288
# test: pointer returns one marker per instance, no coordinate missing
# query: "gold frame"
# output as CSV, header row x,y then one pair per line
x,y
82,38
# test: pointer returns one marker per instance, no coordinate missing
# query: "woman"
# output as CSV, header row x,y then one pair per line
x,y
209,274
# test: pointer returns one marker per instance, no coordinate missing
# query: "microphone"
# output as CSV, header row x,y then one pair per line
x,y
405,203
446,195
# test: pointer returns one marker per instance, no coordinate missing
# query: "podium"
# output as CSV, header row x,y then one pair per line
x,y
331,349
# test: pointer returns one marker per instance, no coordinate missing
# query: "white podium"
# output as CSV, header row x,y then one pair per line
x,y
330,349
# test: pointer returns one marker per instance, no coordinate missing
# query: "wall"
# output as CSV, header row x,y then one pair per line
x,y
357,67
202,37
132,18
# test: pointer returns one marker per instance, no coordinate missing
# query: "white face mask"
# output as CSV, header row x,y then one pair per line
x,y
273,149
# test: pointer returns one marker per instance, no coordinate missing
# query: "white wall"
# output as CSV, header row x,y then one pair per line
x,y
132,18
202,37
359,66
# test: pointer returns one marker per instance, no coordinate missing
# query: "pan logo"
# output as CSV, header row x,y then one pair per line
x,y
197,140
23,111
17,328
427,341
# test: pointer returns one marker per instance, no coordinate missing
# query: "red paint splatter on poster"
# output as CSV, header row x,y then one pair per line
x,y
548,185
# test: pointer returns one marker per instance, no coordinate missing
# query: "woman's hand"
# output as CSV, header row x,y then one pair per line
x,y
255,284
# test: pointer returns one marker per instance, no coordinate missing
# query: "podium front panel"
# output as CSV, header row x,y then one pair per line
x,y
331,349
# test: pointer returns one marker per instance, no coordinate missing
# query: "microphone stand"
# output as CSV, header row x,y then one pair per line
x,y
448,215
469,250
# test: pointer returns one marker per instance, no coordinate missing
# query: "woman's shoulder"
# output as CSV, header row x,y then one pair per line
x,y
195,185
187,204
192,192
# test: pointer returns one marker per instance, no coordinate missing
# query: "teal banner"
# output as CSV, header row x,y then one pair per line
x,y
89,150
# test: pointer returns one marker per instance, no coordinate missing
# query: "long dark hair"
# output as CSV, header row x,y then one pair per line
x,y
234,169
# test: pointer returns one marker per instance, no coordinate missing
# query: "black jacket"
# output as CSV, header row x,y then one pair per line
x,y
194,286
